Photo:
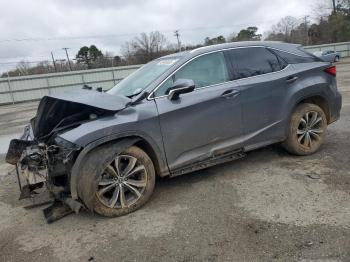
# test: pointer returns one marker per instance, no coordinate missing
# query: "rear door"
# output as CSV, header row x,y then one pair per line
x,y
205,121
263,79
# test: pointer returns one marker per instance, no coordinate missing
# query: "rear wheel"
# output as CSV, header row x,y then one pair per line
x,y
336,59
124,185
306,130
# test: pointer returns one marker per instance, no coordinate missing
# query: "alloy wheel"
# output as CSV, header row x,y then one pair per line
x,y
122,183
310,129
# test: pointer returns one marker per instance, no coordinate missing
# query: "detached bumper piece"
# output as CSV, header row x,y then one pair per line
x,y
60,208
56,211
15,150
32,166
27,191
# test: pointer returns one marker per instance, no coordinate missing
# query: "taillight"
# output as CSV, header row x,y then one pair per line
x,y
331,70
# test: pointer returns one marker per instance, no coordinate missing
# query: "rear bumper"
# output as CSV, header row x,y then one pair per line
x,y
335,108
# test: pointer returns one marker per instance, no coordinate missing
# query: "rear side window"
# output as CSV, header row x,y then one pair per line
x,y
253,61
295,59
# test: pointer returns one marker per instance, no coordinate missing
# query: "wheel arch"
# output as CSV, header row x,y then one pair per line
x,y
121,142
293,143
298,98
150,151
318,100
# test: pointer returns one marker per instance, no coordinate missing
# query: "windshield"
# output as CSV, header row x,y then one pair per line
x,y
140,79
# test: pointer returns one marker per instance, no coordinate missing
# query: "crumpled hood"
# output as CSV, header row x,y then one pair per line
x,y
57,111
93,98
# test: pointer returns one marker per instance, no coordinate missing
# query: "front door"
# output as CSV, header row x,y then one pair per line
x,y
202,122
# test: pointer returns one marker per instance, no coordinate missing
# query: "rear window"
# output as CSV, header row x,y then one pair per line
x,y
253,61
295,59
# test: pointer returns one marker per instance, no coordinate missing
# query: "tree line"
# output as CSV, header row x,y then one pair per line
x,y
327,28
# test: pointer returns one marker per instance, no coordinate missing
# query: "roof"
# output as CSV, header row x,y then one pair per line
x,y
272,44
291,48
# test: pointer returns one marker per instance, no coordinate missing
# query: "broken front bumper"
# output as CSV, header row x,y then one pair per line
x,y
30,161
39,165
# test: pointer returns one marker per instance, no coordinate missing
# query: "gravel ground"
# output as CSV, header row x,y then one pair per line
x,y
269,206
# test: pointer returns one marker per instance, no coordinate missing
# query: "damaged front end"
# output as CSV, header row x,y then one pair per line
x,y
44,159
41,165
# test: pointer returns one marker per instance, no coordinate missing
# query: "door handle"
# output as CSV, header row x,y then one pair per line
x,y
230,93
292,79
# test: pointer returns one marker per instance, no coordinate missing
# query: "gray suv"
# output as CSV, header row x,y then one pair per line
x,y
177,114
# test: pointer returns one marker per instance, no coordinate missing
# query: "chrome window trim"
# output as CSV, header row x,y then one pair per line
x,y
149,97
203,87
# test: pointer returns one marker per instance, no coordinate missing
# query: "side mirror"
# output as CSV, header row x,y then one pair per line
x,y
181,86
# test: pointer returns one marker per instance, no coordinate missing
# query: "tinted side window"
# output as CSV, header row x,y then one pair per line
x,y
253,61
282,62
295,59
205,70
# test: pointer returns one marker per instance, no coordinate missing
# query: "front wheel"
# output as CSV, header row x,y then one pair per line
x,y
124,185
306,130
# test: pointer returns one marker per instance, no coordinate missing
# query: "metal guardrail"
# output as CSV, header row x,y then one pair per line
x,y
27,88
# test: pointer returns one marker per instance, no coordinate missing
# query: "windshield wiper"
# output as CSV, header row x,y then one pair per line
x,y
143,96
131,96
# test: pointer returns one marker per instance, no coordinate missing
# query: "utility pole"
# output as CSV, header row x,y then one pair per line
x,y
334,7
306,30
10,89
54,62
66,48
177,34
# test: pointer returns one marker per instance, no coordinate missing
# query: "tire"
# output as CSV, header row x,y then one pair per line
x,y
306,131
336,59
115,185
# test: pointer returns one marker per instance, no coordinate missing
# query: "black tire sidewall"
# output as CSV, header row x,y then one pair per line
x,y
291,144
89,187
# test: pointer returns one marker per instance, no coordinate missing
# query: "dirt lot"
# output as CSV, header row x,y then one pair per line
x,y
270,206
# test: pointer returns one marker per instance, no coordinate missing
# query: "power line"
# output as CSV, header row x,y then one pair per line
x,y
63,38
176,33
118,35
16,62
58,60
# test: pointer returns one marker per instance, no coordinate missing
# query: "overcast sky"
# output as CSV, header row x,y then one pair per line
x,y
31,29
